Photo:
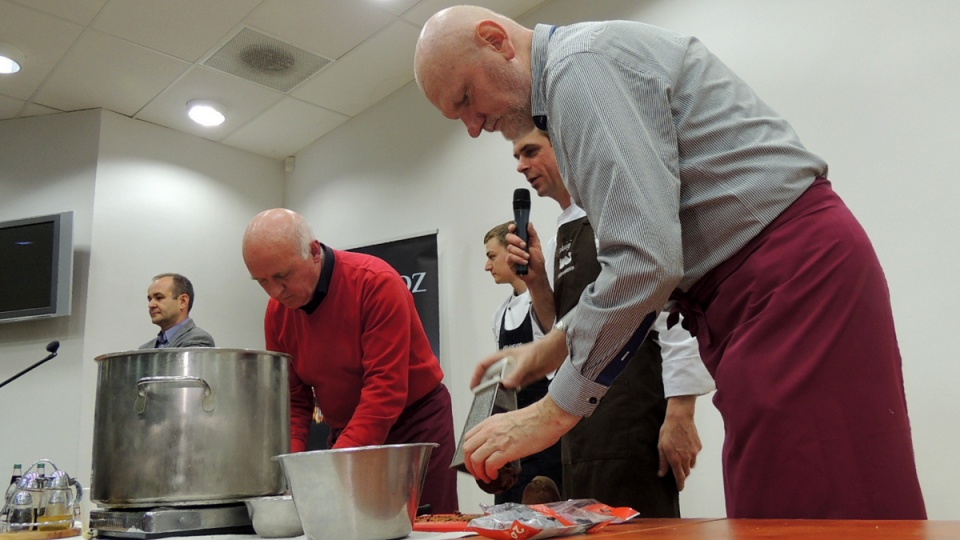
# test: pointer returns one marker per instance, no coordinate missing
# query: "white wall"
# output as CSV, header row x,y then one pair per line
x,y
147,200
47,165
869,85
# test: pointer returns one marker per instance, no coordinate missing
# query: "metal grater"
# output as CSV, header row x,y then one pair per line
x,y
489,398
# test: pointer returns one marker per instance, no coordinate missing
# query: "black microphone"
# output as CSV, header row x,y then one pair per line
x,y
51,348
521,215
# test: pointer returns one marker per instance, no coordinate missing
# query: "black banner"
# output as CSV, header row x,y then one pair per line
x,y
416,260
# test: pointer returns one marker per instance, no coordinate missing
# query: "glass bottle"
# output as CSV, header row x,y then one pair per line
x,y
14,478
11,489
41,483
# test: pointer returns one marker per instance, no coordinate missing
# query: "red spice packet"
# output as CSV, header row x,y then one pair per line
x,y
512,521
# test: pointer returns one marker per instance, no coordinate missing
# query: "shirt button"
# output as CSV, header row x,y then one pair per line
x,y
592,401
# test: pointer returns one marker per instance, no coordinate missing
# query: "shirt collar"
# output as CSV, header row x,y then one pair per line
x,y
174,330
323,284
538,60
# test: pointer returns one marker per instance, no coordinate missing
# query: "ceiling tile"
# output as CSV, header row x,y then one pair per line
x,y
78,11
326,27
186,29
369,73
285,128
145,59
37,110
104,71
396,7
9,107
43,39
242,99
510,8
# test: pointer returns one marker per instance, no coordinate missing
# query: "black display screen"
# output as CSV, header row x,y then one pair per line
x,y
27,259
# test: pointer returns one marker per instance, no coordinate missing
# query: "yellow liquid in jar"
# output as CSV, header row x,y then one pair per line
x,y
54,522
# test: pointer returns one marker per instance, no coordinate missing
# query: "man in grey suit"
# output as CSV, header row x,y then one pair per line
x,y
170,298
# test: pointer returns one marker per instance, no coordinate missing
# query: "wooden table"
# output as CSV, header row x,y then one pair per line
x,y
749,529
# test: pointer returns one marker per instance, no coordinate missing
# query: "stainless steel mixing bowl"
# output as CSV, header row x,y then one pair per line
x,y
365,493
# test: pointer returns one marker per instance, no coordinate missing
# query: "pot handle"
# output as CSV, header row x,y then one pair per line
x,y
208,402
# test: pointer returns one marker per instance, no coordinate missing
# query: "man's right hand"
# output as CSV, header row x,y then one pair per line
x,y
508,436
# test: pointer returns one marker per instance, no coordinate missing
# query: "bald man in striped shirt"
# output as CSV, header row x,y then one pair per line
x,y
702,196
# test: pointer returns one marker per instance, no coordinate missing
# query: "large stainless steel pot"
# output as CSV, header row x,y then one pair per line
x,y
189,426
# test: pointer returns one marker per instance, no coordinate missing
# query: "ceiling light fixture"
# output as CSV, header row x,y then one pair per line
x,y
10,59
205,112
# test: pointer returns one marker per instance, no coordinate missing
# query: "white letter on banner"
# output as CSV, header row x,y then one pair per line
x,y
415,287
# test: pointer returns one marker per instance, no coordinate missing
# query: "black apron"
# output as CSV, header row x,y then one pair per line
x,y
612,455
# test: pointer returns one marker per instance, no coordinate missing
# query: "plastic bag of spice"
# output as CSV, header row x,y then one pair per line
x,y
512,521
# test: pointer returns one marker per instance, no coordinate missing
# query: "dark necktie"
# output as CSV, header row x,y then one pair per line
x,y
162,340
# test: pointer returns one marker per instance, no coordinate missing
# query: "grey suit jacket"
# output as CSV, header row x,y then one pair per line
x,y
190,335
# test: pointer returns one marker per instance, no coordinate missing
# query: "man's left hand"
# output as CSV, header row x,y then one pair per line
x,y
679,441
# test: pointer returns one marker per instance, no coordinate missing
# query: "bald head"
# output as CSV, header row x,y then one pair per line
x,y
446,36
282,255
474,65
278,226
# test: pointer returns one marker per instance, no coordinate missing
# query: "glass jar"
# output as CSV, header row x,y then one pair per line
x,y
58,503
22,512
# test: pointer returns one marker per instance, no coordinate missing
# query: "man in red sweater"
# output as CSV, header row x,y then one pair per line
x,y
358,347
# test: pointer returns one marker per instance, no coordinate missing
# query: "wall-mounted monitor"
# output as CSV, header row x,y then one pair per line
x,y
36,267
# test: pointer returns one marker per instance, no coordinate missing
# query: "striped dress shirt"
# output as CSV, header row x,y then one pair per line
x,y
678,164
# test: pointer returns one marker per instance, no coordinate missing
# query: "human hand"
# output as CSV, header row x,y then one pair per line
x,y
529,253
505,437
532,361
679,441
536,279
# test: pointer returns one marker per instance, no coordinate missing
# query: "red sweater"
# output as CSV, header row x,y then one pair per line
x,y
363,352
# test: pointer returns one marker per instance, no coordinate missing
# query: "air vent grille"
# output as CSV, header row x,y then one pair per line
x,y
266,61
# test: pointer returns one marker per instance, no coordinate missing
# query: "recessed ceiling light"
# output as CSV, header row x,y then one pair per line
x,y
205,112
10,59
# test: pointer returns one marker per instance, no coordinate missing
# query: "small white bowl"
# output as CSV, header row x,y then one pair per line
x,y
274,517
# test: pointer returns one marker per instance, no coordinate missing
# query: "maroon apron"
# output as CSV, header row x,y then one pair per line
x,y
797,330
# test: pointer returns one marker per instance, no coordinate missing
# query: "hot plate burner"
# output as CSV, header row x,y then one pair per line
x,y
168,521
